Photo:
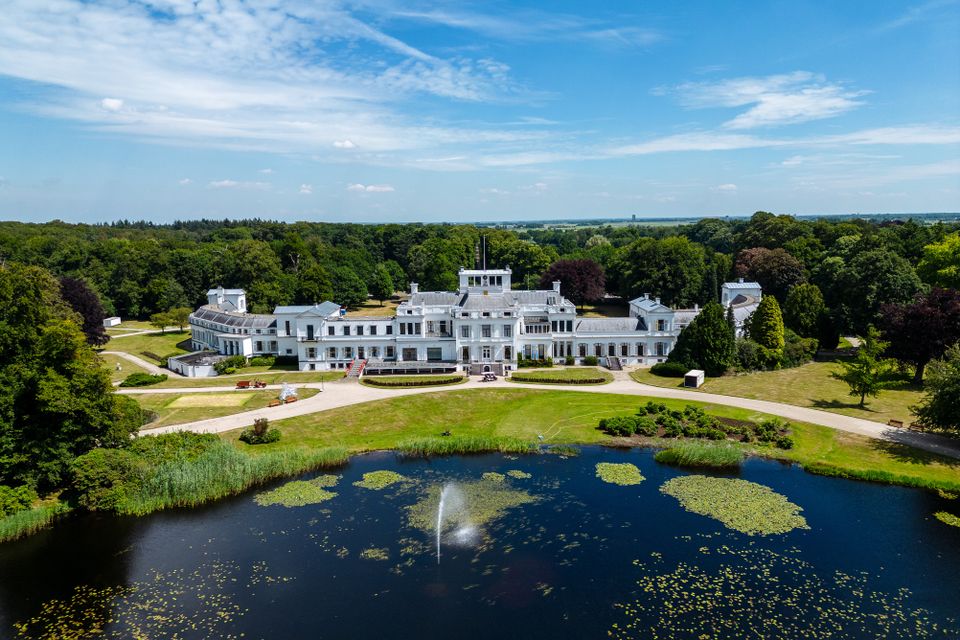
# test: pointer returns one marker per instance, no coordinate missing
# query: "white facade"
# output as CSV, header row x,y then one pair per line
x,y
483,326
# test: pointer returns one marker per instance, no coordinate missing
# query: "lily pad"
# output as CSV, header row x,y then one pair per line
x,y
299,493
378,480
622,473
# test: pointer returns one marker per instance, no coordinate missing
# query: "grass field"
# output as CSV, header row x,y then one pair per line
x,y
187,407
571,417
373,308
161,344
563,374
806,386
126,367
277,377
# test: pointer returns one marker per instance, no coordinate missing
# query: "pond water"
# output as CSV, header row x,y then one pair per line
x,y
574,557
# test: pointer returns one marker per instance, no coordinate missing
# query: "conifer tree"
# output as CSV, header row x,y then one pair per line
x,y
707,343
766,329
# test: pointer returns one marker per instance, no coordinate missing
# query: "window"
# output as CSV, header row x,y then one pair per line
x,y
465,331
311,353
507,331
639,348
373,329
486,353
553,325
582,349
486,314
389,329
598,350
309,332
611,349
375,352
661,325
359,329
331,330
507,353
348,352
465,354
346,329
551,300
570,325
506,314
661,349
403,328
286,326
259,345
389,351
443,327
434,354
332,353
485,331
624,350
289,351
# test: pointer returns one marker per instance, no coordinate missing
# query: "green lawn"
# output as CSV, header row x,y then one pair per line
x,y
807,386
126,367
570,417
161,344
178,408
564,374
278,377
374,308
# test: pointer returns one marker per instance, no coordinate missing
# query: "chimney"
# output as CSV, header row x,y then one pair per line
x,y
657,300
414,288
646,296
740,280
696,307
556,286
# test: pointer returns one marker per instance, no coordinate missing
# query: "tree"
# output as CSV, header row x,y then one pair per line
x,y
672,268
940,406
922,330
313,285
868,281
581,280
397,275
803,308
434,264
348,289
179,316
84,300
161,321
381,286
940,264
775,269
707,343
867,373
766,329
56,400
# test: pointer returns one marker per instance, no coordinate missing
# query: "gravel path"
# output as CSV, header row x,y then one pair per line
x,y
149,366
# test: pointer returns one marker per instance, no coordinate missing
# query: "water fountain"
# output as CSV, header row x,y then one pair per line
x,y
452,508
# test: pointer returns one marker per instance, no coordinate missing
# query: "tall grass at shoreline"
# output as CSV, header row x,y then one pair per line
x,y
221,471
24,523
458,445
692,453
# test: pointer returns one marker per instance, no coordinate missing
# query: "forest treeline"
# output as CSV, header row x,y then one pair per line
x,y
139,269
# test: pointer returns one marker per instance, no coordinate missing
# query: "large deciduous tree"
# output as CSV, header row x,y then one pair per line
x,y
868,372
922,330
868,281
803,308
940,406
581,280
707,343
85,301
381,285
672,268
348,289
775,269
56,400
940,264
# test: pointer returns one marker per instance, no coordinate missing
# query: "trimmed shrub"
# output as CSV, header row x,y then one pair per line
x,y
570,361
142,379
645,426
262,361
412,382
14,499
519,377
590,361
669,369
535,363
652,408
229,365
260,433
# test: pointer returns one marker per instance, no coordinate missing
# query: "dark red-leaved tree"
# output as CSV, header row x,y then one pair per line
x,y
86,302
775,270
922,330
582,280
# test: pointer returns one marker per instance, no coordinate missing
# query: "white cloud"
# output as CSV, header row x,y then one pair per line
x,y
494,191
306,189
111,104
344,144
774,100
185,181
370,188
726,188
266,172
236,184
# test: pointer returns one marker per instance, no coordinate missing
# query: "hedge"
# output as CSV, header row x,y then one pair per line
x,y
669,369
411,383
142,379
519,377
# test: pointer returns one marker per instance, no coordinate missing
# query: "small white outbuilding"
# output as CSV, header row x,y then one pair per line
x,y
112,321
693,378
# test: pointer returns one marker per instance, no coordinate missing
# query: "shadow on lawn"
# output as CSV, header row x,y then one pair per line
x,y
905,452
838,404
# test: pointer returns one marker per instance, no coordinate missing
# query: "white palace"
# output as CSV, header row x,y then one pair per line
x,y
483,326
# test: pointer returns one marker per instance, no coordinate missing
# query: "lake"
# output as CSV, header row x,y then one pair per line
x,y
558,554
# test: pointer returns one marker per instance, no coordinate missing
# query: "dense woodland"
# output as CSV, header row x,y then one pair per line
x,y
139,268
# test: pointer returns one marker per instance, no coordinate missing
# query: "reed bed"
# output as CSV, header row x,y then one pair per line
x,y
459,445
24,523
691,453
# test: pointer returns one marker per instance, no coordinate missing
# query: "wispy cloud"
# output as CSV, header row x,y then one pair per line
x,y
306,189
184,182
238,184
370,188
726,188
773,100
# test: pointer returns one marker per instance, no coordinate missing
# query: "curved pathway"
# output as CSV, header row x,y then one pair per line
x,y
140,362
349,392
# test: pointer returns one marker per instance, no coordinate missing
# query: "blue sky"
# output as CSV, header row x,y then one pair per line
x,y
428,111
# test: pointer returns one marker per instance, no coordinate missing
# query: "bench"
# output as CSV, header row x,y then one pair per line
x,y
895,423
274,403
291,399
243,384
916,426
